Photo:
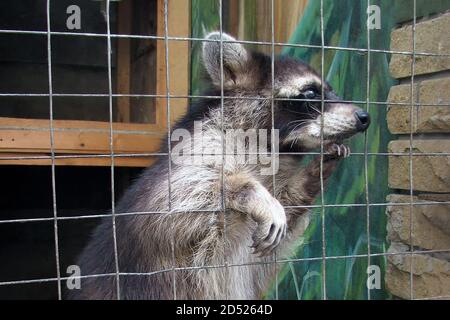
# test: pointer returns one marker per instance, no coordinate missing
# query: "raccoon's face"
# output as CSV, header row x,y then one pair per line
x,y
297,90
300,114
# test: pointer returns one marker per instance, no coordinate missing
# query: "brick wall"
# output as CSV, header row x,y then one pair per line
x,y
431,174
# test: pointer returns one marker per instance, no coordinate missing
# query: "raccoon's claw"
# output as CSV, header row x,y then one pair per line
x,y
336,151
269,250
271,229
266,246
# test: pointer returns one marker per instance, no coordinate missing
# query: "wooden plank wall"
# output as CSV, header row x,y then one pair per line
x,y
123,59
251,20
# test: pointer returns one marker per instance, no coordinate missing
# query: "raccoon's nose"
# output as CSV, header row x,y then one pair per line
x,y
362,120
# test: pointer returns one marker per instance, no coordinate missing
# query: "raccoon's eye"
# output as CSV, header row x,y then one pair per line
x,y
310,93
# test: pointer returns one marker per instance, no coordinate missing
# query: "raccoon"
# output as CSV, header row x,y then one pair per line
x,y
186,247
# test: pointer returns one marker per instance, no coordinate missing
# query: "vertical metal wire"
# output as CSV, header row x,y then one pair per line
x,y
111,148
223,204
366,170
52,149
322,62
273,121
169,147
411,129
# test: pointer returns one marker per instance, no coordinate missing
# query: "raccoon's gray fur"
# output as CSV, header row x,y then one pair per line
x,y
177,248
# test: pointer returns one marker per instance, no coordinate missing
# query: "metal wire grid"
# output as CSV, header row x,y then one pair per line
x,y
112,155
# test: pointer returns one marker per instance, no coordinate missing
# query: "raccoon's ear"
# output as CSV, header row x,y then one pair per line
x,y
235,59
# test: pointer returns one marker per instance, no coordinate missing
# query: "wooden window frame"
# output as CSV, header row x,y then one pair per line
x,y
21,137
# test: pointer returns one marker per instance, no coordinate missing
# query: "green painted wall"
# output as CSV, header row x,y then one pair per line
x,y
346,228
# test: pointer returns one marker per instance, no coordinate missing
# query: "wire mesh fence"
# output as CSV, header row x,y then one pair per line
x,y
113,155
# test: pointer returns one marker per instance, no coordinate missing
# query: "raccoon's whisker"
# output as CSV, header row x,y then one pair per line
x,y
301,113
299,124
293,130
313,107
317,110
293,141
301,121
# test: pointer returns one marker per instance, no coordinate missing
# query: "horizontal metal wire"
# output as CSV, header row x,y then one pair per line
x,y
159,154
267,43
219,210
433,298
173,96
244,264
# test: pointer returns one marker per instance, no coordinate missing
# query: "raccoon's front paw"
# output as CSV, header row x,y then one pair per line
x,y
271,228
336,151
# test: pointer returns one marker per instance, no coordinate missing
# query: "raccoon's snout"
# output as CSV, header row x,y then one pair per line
x,y
362,120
